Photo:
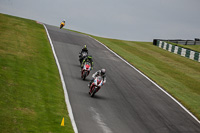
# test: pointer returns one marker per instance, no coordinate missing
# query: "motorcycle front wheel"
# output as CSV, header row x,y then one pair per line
x,y
84,75
93,92
61,26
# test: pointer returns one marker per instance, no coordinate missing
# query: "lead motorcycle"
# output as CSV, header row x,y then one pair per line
x,y
62,24
82,56
85,70
96,85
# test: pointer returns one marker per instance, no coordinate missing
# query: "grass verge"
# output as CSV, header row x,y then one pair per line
x,y
31,94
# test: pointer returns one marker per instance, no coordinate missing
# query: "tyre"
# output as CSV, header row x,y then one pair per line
x,y
93,92
84,75
61,26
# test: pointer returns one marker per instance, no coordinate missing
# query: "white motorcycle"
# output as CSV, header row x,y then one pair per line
x,y
85,70
96,85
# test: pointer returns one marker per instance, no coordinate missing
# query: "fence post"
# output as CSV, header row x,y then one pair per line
x,y
186,42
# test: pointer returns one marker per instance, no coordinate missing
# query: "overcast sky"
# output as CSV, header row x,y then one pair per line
x,y
135,20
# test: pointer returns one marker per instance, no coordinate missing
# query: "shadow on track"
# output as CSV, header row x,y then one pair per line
x,y
99,97
76,65
96,96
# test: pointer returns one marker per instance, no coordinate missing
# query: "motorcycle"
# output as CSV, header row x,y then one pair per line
x,y
82,56
62,25
96,86
85,70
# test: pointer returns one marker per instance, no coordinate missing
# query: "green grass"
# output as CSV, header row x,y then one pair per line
x,y
178,75
31,94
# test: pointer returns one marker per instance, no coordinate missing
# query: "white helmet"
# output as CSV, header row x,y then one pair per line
x,y
103,71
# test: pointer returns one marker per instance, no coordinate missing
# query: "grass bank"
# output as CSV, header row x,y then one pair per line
x,y
177,75
31,94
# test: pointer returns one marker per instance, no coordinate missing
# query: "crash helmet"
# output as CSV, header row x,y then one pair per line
x,y
85,47
103,71
64,20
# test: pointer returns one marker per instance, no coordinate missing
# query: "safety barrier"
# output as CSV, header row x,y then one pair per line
x,y
194,55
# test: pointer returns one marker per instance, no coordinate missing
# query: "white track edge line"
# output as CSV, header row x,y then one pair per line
x,y
63,84
150,81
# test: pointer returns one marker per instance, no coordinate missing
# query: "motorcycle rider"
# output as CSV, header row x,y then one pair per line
x,y
62,23
101,73
88,58
84,49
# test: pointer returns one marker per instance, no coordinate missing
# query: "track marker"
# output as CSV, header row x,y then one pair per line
x,y
62,123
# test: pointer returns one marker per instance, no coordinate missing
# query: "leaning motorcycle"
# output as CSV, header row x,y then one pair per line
x,y
82,56
85,70
62,25
96,85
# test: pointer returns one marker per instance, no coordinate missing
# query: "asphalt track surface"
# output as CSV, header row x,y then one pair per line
x,y
127,103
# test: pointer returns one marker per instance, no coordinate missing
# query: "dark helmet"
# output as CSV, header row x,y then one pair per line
x,y
103,71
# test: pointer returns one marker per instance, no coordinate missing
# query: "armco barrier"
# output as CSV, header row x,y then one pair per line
x,y
190,54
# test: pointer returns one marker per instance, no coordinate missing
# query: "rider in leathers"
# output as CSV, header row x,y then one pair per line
x,y
101,73
88,58
84,49
62,23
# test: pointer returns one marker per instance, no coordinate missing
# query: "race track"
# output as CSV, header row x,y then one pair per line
x,y
127,103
